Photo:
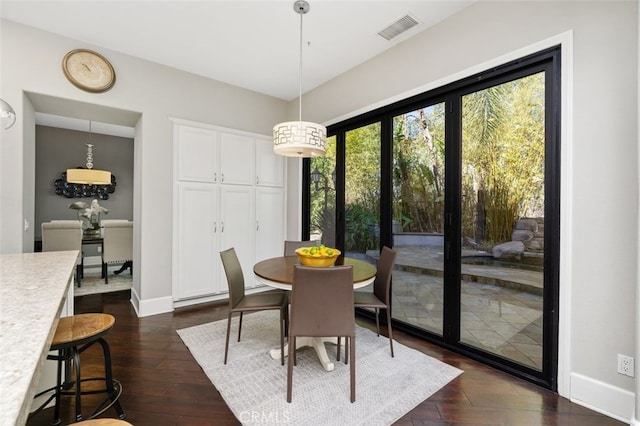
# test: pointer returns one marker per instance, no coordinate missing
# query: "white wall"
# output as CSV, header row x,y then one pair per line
x,y
31,62
599,157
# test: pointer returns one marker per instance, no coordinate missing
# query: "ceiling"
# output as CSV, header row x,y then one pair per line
x,y
250,44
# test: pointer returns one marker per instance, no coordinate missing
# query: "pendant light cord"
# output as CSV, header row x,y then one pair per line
x,y
301,12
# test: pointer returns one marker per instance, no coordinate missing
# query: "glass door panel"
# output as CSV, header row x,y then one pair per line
x,y
362,192
418,209
323,196
502,208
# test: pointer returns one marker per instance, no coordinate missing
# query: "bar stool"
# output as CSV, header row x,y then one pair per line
x,y
73,336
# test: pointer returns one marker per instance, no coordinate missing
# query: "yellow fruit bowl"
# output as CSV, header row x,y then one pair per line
x,y
320,257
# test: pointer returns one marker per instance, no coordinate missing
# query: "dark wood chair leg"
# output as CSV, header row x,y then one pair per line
x,y
346,351
282,320
226,342
125,265
290,362
389,331
352,354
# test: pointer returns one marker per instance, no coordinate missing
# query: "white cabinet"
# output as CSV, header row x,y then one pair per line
x,y
198,267
270,223
236,159
229,192
196,151
237,225
269,166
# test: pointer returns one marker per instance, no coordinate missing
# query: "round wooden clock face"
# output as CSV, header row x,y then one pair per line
x,y
88,70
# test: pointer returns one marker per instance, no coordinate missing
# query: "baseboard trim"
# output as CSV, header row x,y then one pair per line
x,y
148,307
135,301
217,297
602,397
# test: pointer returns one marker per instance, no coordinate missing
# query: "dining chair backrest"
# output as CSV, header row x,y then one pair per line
x,y
322,301
381,285
290,247
117,240
235,277
59,235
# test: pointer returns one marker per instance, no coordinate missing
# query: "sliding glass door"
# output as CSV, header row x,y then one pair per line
x,y
463,183
418,181
502,219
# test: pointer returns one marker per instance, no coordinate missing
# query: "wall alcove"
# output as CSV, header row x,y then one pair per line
x,y
61,132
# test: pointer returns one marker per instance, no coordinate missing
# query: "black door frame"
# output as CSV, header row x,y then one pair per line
x,y
548,61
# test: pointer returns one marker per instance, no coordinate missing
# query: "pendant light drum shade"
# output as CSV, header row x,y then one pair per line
x,y
299,139
89,176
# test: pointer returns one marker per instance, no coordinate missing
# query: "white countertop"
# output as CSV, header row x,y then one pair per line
x,y
33,289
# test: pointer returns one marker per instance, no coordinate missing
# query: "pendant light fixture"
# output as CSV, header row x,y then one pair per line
x,y
89,176
299,138
7,115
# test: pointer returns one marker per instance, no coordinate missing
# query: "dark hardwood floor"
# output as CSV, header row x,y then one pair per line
x,y
163,384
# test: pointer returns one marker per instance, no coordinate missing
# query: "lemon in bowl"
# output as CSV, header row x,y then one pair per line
x,y
318,256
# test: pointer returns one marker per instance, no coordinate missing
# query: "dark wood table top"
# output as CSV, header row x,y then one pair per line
x,y
280,269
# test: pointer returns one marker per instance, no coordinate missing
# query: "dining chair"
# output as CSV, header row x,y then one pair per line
x,y
380,297
290,247
322,306
241,302
60,235
117,244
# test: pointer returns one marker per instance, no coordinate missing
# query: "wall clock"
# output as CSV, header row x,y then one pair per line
x,y
88,70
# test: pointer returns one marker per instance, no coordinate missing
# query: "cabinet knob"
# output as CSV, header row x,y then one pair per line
x,y
257,226
215,227
222,175
215,177
257,180
222,226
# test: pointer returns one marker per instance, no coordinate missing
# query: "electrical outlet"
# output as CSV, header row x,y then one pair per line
x,y
625,365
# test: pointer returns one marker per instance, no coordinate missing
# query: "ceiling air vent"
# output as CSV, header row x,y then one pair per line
x,y
398,27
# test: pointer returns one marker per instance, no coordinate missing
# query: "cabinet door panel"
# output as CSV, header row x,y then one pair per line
x,y
198,258
237,226
269,166
236,159
269,223
197,154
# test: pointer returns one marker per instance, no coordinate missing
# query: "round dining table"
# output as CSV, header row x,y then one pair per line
x,y
277,272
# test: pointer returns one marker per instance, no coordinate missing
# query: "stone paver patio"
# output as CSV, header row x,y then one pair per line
x,y
501,307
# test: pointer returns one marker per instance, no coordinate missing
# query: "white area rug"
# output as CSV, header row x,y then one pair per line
x,y
92,283
254,385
